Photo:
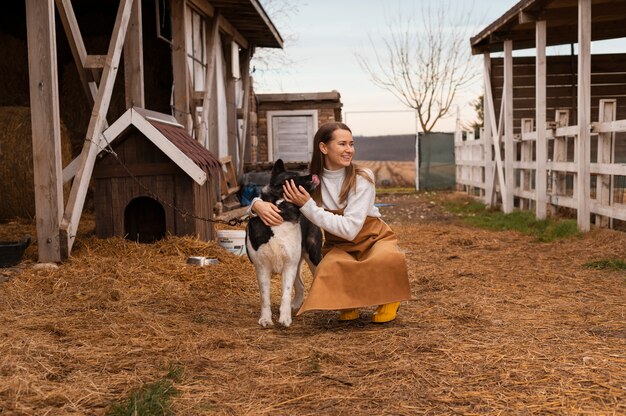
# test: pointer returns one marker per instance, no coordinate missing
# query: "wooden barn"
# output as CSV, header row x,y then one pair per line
x,y
153,179
555,123
185,58
286,124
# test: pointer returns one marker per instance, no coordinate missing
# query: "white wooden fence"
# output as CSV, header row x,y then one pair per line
x,y
477,160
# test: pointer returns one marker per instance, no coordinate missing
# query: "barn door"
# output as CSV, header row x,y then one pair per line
x,y
292,137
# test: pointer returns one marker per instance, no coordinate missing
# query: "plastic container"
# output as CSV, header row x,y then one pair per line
x,y
233,241
11,251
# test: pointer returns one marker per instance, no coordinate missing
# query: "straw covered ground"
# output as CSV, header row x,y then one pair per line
x,y
501,324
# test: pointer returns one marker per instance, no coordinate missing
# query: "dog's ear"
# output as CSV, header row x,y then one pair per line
x,y
279,167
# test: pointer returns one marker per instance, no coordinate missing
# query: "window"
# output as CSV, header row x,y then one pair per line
x,y
196,48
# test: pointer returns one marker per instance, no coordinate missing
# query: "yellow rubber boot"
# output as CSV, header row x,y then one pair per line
x,y
386,313
349,315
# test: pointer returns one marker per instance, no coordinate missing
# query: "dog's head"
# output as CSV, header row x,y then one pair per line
x,y
274,191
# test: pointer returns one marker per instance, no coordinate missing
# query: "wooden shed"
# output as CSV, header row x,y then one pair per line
x,y
555,125
187,58
286,124
153,179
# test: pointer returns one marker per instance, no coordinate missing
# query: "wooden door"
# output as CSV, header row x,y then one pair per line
x,y
292,137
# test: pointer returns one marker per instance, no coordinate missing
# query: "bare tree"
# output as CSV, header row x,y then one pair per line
x,y
424,62
269,61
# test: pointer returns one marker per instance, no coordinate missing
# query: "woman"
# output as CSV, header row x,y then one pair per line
x,y
362,265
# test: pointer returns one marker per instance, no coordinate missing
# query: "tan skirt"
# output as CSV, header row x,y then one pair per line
x,y
368,271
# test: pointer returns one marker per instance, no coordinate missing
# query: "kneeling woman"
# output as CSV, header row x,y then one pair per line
x,y
362,265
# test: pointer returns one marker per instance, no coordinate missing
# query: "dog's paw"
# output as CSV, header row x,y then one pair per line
x,y
265,322
285,320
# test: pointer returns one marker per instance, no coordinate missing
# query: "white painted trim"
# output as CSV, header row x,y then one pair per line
x,y
274,113
173,152
136,119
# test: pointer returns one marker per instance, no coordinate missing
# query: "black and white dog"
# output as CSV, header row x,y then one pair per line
x,y
282,248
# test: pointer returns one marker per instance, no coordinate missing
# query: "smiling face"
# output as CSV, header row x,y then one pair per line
x,y
339,151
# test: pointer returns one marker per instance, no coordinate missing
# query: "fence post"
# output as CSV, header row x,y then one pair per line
x,y
560,154
526,158
509,152
487,137
606,147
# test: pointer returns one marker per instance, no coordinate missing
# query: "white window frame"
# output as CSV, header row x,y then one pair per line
x,y
274,113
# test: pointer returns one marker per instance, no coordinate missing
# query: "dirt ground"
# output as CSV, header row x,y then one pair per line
x,y
501,324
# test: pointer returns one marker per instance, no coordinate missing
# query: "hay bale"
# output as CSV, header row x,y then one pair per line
x,y
17,193
14,89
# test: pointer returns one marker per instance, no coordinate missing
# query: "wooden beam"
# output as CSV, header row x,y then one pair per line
x,y
179,64
133,60
245,73
606,147
46,126
76,200
75,40
204,7
209,78
229,29
526,157
488,141
495,138
541,146
509,150
609,127
95,61
583,148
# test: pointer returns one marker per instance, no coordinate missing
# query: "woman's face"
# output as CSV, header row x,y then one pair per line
x,y
339,151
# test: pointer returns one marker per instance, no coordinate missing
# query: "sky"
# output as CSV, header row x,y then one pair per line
x,y
329,34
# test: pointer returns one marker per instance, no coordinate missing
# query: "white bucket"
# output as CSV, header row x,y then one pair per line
x,y
233,241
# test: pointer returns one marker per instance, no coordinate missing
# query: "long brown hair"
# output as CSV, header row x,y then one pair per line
x,y
325,135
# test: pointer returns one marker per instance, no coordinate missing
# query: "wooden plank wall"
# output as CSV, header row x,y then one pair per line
x,y
608,80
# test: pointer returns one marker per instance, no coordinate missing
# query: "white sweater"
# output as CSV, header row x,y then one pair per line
x,y
359,204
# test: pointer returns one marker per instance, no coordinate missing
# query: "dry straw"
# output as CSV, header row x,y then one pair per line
x,y
501,325
17,195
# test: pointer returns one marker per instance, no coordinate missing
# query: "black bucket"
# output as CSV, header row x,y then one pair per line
x,y
11,252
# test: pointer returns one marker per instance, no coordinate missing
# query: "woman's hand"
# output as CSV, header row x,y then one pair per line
x,y
268,212
295,195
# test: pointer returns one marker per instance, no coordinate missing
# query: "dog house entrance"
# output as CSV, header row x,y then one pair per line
x,y
144,220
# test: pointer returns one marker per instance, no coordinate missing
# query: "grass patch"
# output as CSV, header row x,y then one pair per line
x,y
383,191
606,264
151,399
477,214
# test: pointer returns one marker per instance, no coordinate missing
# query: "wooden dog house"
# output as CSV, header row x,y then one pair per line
x,y
153,179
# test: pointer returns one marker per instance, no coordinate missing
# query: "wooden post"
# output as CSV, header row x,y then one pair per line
x,y
541,145
559,186
509,152
583,154
179,65
76,200
133,60
526,156
487,137
606,144
496,133
46,126
209,79
245,74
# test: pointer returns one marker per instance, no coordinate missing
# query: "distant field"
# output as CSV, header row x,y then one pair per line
x,y
399,148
